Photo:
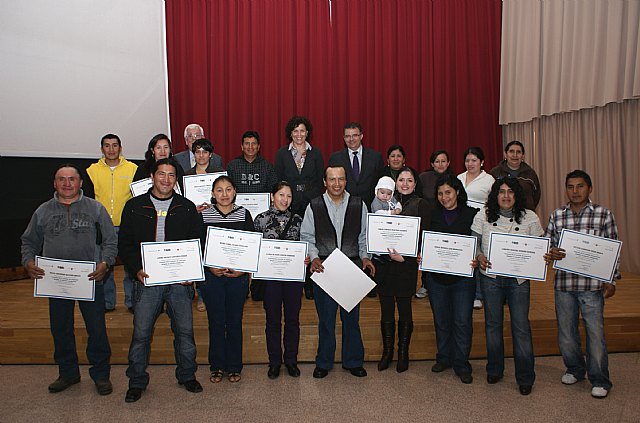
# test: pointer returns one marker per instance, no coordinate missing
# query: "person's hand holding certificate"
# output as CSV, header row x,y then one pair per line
x,y
399,233
172,262
64,279
518,256
588,255
448,253
232,249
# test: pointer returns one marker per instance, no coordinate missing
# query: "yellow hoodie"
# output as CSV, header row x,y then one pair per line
x,y
111,187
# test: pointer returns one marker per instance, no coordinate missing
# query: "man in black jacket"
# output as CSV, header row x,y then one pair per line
x,y
159,215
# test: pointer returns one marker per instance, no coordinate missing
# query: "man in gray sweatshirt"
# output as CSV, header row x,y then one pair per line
x,y
71,226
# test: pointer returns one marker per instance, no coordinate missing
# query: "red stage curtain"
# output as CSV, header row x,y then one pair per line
x,y
421,73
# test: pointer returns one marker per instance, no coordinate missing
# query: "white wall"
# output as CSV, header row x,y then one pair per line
x,y
74,70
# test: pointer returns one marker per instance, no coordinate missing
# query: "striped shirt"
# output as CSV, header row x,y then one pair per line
x,y
239,218
592,219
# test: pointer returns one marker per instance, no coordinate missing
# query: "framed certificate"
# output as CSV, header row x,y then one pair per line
x,y
448,253
518,256
345,282
232,249
66,279
398,232
256,203
142,186
172,262
197,188
588,255
282,260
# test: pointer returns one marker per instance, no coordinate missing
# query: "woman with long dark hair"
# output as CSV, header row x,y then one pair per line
x,y
506,212
159,148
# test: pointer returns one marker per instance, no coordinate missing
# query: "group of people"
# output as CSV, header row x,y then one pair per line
x,y
327,208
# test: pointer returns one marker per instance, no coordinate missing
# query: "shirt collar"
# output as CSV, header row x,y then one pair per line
x,y
306,146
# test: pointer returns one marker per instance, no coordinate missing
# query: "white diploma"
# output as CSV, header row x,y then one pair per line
x,y
65,279
256,203
343,281
397,232
197,188
518,256
172,262
588,255
282,260
228,248
448,253
142,186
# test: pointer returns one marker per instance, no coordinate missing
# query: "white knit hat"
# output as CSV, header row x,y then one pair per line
x,y
385,182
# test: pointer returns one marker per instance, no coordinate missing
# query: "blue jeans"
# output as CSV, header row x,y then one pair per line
x,y
452,307
224,298
64,340
569,305
148,301
110,288
352,347
495,291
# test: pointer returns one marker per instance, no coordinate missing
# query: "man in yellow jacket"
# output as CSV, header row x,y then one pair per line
x,y
111,177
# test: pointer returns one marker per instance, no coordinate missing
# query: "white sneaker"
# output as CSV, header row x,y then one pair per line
x,y
569,379
422,292
477,304
599,392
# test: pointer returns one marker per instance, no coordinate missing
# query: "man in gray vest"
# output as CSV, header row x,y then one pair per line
x,y
336,220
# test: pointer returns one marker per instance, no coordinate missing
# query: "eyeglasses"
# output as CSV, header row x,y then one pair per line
x,y
354,136
195,136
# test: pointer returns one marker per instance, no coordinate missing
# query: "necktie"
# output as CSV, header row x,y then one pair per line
x,y
356,166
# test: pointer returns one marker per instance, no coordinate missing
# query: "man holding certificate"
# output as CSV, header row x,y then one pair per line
x,y
505,213
160,215
71,226
336,220
578,294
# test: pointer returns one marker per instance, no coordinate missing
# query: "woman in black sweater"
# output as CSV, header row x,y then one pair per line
x,y
452,296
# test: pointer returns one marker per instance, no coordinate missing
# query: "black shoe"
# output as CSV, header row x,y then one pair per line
x,y
133,394
293,370
61,383
439,367
319,372
356,371
104,386
525,389
466,378
493,379
274,372
192,386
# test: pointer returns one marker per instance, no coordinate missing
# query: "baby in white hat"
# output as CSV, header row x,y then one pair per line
x,y
384,202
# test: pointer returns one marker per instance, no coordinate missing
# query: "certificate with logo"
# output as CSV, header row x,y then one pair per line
x,y
588,255
282,260
397,232
256,203
172,262
518,256
142,186
65,279
345,282
197,188
232,249
448,253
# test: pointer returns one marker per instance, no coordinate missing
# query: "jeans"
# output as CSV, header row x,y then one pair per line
x,y
452,307
569,305
64,340
495,291
477,276
224,298
279,294
110,287
352,347
148,301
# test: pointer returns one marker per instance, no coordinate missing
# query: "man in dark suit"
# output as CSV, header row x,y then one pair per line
x,y
186,159
363,164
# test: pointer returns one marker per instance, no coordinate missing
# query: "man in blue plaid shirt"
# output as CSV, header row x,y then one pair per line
x,y
575,294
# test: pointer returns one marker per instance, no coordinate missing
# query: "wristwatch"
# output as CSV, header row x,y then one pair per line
x,y
106,264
